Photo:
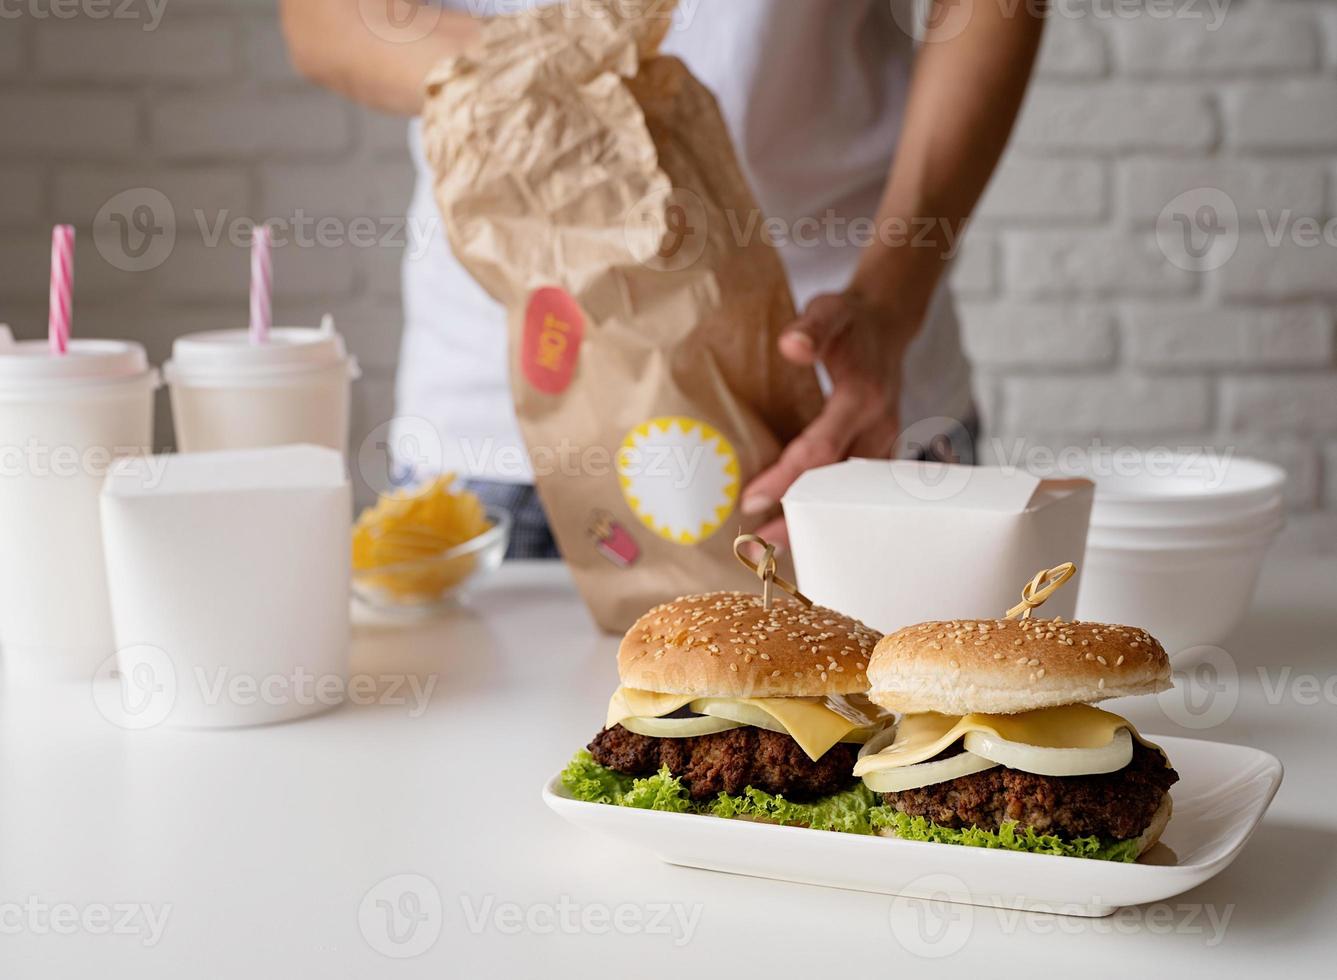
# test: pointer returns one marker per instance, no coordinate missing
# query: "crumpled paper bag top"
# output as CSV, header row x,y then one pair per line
x,y
590,185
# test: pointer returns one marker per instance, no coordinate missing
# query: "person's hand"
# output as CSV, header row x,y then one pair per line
x,y
862,347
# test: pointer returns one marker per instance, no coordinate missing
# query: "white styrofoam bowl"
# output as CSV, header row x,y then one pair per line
x,y
1172,491
1183,594
1223,534
1195,520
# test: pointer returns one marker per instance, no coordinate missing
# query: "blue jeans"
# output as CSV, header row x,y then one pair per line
x,y
531,537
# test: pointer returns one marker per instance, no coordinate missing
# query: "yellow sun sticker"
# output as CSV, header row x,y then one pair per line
x,y
680,477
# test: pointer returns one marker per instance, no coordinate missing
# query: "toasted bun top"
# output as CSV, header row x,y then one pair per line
x,y
1003,666
725,644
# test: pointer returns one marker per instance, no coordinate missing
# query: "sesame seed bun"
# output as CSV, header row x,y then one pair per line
x,y
725,644
1003,666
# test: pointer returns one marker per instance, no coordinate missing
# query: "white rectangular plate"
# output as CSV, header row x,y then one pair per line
x,y
1221,796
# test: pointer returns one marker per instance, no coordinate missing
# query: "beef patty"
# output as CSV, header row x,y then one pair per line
x,y
729,761
1116,805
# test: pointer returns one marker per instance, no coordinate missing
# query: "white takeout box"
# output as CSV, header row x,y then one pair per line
x,y
229,575
896,542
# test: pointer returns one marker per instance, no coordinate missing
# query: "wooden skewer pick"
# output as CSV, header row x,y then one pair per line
x,y
765,570
1045,583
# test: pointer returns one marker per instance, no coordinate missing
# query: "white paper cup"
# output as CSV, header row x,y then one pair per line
x,y
62,421
228,393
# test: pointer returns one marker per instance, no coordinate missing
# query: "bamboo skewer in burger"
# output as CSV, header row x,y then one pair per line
x,y
998,732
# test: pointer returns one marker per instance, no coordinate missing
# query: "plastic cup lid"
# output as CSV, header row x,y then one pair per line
x,y
231,353
30,362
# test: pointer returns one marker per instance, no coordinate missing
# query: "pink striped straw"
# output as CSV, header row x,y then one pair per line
x,y
62,287
262,279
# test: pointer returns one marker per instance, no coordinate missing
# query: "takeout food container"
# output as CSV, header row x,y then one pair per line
x,y
230,581
895,542
1178,491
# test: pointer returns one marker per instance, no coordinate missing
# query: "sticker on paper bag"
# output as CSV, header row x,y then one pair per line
x,y
554,327
679,476
612,540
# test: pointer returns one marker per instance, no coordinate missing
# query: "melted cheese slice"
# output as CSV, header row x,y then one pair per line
x,y
920,737
816,724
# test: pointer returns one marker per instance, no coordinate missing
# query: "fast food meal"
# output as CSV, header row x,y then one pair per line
x,y
999,745
737,705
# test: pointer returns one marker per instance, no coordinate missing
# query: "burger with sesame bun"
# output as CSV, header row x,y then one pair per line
x,y
999,744
731,708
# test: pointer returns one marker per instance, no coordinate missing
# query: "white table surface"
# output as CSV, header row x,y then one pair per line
x,y
254,850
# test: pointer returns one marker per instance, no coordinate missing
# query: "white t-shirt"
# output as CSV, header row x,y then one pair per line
x,y
812,92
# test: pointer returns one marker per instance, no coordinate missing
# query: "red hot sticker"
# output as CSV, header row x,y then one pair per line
x,y
554,327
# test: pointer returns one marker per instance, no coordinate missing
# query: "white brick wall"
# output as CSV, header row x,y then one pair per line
x,y
1289,115
1045,190
1037,337
1330,466
110,51
40,124
1146,183
1169,338
1090,263
1107,405
1328,15
1302,405
1079,325
1293,269
1248,41
21,204
1115,116
204,108
11,53
1239,356
1073,48
210,189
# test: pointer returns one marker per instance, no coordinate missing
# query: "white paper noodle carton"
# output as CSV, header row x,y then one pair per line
x,y
229,576
898,542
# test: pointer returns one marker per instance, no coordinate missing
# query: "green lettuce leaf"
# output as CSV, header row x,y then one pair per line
x,y
853,811
1008,837
662,791
586,780
846,811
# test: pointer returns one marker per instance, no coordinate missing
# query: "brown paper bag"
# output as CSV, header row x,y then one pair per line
x,y
589,184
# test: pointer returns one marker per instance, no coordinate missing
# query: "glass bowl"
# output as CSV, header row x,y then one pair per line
x,y
427,584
